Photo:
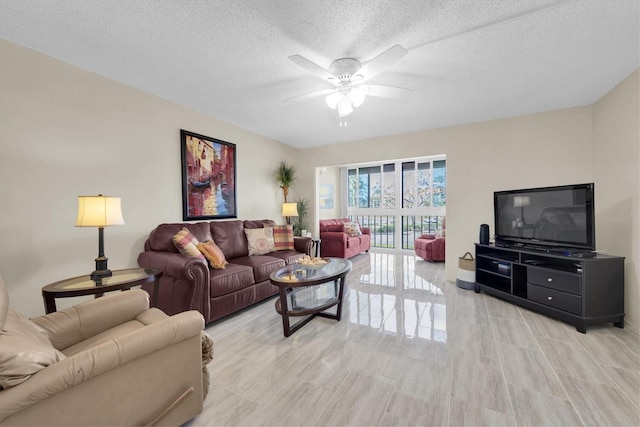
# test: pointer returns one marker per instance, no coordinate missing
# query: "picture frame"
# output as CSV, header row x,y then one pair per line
x,y
208,177
326,196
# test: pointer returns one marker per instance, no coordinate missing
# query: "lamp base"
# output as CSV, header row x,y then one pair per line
x,y
98,275
101,270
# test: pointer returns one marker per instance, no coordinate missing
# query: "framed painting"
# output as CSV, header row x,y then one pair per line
x,y
208,177
326,196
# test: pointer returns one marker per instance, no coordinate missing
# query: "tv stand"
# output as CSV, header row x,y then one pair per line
x,y
577,290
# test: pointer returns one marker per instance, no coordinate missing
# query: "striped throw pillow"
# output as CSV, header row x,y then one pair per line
x,y
187,243
283,237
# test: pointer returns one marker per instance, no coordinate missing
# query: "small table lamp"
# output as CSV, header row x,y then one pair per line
x,y
289,210
99,211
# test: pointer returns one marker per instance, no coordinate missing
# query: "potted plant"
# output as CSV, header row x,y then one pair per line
x,y
301,221
285,177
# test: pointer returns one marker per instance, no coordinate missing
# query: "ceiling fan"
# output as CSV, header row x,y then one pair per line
x,y
347,75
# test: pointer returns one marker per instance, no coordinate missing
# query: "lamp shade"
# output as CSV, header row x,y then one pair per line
x,y
289,209
99,211
521,201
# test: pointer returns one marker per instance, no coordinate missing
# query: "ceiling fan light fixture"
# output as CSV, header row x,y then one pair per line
x,y
357,96
344,106
332,100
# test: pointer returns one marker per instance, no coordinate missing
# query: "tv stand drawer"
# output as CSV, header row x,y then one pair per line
x,y
556,299
555,279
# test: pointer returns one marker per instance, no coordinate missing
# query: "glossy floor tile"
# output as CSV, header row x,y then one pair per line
x,y
413,349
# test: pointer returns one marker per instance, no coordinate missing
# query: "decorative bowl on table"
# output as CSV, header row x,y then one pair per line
x,y
313,263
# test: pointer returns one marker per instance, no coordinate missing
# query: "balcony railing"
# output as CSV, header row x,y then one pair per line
x,y
383,228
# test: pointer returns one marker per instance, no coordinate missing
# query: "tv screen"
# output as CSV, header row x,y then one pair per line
x,y
560,216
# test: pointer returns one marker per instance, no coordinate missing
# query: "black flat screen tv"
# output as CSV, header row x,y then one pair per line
x,y
549,217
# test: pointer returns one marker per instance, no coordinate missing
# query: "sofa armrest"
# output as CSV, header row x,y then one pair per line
x,y
303,244
427,236
74,324
365,230
99,360
171,263
186,268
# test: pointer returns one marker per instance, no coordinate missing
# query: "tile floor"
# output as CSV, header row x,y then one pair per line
x,y
412,349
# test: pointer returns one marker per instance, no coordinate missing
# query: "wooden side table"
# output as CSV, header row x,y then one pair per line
x,y
121,280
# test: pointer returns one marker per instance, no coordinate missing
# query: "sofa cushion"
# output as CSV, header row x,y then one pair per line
x,y
260,240
262,265
160,238
283,237
233,278
25,349
334,227
258,223
213,254
352,229
230,238
187,244
289,257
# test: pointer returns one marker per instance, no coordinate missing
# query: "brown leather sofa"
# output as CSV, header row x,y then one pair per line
x,y
337,243
190,284
111,361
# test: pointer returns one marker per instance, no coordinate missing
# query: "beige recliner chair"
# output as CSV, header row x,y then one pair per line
x,y
109,361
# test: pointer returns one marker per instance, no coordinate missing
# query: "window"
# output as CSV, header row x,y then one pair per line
x,y
370,187
389,185
420,187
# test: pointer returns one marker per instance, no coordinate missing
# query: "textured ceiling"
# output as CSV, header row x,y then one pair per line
x,y
467,61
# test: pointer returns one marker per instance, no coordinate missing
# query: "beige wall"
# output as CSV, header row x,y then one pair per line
x,y
550,148
596,143
329,176
616,160
66,132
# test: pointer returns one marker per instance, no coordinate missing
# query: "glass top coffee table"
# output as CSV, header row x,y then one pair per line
x,y
307,290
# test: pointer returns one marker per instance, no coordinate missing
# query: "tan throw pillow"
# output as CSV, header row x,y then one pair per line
x,y
260,240
25,349
352,229
213,254
283,237
187,244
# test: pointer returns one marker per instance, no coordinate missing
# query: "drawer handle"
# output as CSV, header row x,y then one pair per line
x,y
550,298
549,279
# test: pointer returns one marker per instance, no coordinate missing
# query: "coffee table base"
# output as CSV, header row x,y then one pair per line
x,y
289,329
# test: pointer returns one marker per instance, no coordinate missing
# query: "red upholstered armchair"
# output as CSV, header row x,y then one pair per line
x,y
336,242
431,247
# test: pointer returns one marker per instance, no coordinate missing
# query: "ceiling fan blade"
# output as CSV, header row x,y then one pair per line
x,y
309,95
387,91
380,63
314,68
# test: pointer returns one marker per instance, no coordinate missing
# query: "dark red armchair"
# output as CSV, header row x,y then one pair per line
x,y
431,247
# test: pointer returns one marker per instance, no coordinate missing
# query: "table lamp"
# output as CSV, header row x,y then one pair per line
x,y
289,210
99,211
521,202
